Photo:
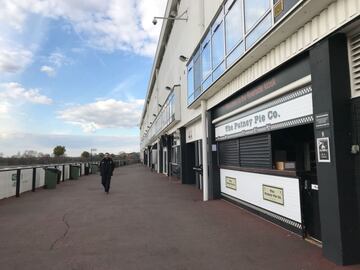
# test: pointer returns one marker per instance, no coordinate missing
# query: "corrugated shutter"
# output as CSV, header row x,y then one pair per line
x,y
354,43
251,152
255,151
229,153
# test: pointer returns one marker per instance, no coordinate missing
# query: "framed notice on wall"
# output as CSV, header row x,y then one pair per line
x,y
323,149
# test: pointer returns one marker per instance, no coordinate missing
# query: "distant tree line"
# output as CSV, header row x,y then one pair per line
x,y
31,157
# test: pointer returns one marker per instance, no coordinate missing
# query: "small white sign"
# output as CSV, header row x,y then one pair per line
x,y
214,148
314,187
323,149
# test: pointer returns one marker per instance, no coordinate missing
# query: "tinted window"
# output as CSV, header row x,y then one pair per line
x,y
234,26
258,31
218,44
254,10
206,58
190,83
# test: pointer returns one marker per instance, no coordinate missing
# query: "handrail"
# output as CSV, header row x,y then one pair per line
x,y
44,166
34,168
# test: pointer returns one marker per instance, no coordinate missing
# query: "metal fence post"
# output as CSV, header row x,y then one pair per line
x,y
18,175
58,178
33,180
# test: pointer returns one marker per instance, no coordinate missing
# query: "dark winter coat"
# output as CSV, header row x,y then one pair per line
x,y
107,167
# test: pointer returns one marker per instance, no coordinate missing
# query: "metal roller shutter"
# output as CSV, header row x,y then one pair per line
x,y
255,151
229,153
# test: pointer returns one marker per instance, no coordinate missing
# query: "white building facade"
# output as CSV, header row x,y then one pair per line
x,y
258,102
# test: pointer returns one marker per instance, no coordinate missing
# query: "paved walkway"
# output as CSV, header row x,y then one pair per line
x,y
146,222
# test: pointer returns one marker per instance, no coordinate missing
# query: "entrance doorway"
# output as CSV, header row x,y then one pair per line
x,y
165,161
298,144
310,195
198,165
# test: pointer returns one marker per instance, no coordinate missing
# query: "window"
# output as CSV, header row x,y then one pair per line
x,y
233,26
175,155
254,11
218,44
206,58
197,74
190,83
258,31
241,23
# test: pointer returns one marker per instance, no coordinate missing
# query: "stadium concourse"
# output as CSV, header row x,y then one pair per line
x,y
148,221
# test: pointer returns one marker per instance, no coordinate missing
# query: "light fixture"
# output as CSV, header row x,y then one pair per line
x,y
172,17
154,115
160,105
172,88
183,58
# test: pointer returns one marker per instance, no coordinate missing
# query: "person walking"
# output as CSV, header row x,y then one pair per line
x,y
107,167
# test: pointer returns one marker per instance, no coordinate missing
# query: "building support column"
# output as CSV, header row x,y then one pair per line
x,y
187,160
149,156
337,187
158,156
204,127
214,170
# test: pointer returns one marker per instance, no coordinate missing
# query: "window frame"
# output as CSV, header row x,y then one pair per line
x,y
219,22
206,44
231,57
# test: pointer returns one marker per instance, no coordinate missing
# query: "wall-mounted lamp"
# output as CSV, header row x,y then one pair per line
x,y
172,17
172,88
183,58
154,115
160,105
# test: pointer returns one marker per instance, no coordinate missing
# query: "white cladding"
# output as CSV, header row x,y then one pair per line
x,y
193,132
249,188
269,115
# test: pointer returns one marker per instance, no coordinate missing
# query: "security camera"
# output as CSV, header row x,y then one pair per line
x,y
154,21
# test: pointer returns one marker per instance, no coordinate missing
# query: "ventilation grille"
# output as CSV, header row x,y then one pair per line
x,y
355,62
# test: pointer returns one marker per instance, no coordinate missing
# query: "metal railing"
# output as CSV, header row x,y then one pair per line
x,y
35,176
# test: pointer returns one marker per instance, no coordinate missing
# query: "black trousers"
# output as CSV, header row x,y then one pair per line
x,y
105,181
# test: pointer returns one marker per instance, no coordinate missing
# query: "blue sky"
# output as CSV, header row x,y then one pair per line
x,y
74,73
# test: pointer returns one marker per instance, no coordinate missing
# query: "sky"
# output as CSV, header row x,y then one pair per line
x,y
74,73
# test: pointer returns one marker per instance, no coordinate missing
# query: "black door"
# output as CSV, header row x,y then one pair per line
x,y
310,195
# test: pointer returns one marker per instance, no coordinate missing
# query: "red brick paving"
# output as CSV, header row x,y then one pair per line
x,y
148,221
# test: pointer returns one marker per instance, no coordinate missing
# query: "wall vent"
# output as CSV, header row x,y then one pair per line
x,y
354,54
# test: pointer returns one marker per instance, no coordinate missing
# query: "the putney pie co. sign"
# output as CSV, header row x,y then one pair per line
x,y
290,110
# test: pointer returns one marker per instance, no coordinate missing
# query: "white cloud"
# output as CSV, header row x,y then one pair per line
x,y
4,108
102,114
54,62
58,59
16,92
107,25
51,72
13,59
